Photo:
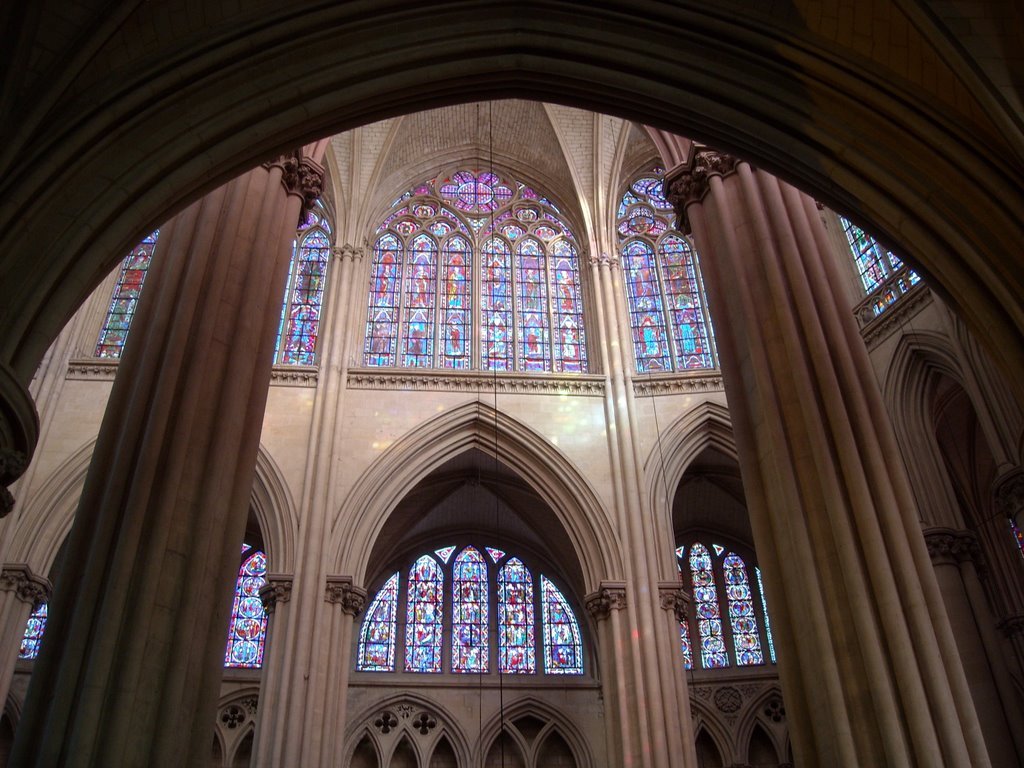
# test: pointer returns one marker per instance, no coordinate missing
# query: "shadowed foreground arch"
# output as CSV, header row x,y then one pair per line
x,y
132,124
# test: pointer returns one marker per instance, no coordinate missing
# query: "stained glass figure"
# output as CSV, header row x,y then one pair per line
x,y
684,639
33,636
496,554
377,638
742,617
767,618
705,597
532,297
420,296
880,270
516,258
297,340
247,632
469,612
126,298
445,553
496,306
456,304
424,606
516,642
663,284
382,324
563,651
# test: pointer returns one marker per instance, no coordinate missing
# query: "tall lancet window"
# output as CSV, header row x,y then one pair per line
x,y
515,619
247,632
469,611
667,308
475,270
742,617
377,638
705,600
126,298
303,298
424,616
882,273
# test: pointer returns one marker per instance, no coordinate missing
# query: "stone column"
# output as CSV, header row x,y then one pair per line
x,y
345,602
131,663
956,556
869,664
604,605
21,592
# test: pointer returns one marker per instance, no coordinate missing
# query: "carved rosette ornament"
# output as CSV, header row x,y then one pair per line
x,y
1008,491
300,176
611,596
341,591
278,589
952,546
674,598
691,181
26,586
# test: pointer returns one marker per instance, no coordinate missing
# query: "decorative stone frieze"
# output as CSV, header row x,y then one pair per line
x,y
278,589
650,385
949,545
611,596
26,586
877,328
96,369
1008,492
477,381
294,375
690,182
674,598
342,591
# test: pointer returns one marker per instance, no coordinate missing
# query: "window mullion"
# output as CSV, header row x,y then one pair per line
x,y
666,312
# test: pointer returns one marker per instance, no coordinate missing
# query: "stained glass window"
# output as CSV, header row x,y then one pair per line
x,y
469,612
767,617
742,617
705,597
684,639
880,270
477,594
424,616
562,647
667,309
33,636
125,298
515,619
247,632
377,638
1018,535
300,314
475,239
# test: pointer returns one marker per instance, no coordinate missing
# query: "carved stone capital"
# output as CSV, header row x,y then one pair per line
x,y
691,181
611,596
342,591
26,586
278,589
952,546
1008,492
19,431
674,598
300,176
347,252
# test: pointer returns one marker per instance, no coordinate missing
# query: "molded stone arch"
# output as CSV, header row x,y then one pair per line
x,y
555,719
472,425
753,716
448,725
849,128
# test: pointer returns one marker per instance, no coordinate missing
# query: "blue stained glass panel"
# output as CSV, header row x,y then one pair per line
x,y
445,553
382,322
532,296
33,636
420,297
742,617
684,640
683,294
247,632
570,342
469,612
705,597
496,306
516,643
424,604
647,318
457,315
377,638
562,646
496,554
126,298
306,292
767,618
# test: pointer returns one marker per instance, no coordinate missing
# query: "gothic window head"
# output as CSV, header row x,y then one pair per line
x,y
304,294
882,273
475,271
667,307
